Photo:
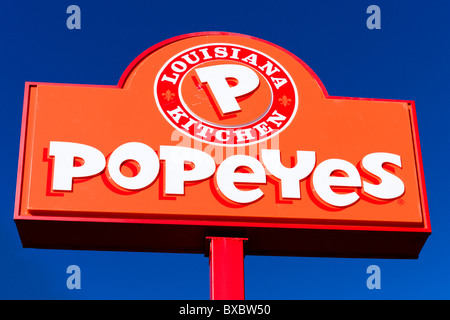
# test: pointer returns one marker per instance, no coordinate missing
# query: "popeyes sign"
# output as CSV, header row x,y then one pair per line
x,y
218,133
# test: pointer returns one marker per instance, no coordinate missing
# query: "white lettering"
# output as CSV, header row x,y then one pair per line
x,y
203,130
189,124
205,53
290,177
235,53
391,186
225,96
189,60
173,80
325,178
220,52
175,173
323,181
278,82
179,66
177,113
269,68
64,169
251,59
263,129
220,135
244,135
276,117
227,177
145,156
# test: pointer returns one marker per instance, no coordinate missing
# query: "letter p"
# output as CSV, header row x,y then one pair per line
x,y
64,165
225,96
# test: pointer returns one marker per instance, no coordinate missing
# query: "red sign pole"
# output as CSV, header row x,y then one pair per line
x,y
226,267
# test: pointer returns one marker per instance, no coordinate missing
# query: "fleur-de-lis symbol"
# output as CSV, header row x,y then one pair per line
x,y
168,95
285,101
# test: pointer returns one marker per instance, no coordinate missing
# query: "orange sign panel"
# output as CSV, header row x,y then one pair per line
x,y
218,133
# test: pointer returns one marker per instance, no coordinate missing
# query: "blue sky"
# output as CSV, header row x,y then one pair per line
x,y
406,59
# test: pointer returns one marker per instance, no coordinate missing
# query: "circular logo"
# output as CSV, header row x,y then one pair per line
x,y
226,94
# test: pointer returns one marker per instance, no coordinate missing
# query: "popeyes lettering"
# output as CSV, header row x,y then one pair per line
x,y
228,174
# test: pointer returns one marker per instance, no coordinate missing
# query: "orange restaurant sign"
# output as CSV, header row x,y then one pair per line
x,y
219,134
